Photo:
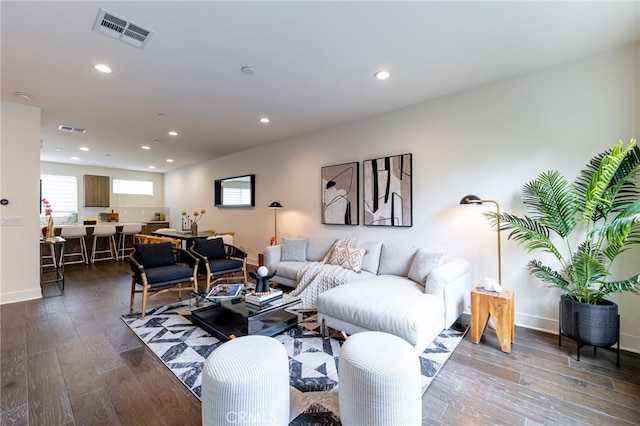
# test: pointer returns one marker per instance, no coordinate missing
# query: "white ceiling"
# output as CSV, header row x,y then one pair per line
x,y
313,61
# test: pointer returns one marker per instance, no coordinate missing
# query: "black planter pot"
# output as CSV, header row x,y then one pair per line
x,y
588,324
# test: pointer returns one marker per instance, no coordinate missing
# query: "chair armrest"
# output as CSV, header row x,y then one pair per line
x,y
233,251
184,256
135,265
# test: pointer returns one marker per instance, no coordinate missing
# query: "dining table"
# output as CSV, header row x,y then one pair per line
x,y
186,237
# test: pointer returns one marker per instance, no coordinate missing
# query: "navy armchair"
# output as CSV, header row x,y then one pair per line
x,y
161,267
220,261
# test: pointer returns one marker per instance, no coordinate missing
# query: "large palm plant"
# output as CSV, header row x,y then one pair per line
x,y
603,204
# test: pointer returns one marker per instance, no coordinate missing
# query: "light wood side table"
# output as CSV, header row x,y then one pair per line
x,y
501,309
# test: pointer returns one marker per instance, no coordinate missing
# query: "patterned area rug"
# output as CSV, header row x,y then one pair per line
x,y
313,362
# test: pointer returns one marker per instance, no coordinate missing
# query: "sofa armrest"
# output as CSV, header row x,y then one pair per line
x,y
450,281
272,254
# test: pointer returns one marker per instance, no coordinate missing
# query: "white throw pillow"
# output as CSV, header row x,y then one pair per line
x,y
294,249
348,258
424,262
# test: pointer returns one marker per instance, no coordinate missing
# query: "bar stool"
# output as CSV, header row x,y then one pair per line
x,y
75,233
51,256
130,229
108,232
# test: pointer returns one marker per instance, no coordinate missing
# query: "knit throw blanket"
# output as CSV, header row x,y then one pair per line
x,y
318,277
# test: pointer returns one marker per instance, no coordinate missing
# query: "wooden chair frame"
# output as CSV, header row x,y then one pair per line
x,y
215,277
139,277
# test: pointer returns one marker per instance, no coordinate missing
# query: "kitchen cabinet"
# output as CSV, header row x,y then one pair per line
x,y
151,227
97,191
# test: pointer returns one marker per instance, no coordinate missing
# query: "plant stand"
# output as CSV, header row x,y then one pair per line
x,y
580,344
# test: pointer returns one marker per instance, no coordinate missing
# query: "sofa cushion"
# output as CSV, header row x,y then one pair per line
x,y
424,262
211,248
390,304
318,248
287,269
348,258
371,259
294,249
396,259
155,255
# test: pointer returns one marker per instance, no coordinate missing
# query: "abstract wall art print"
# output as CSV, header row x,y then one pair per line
x,y
388,191
340,192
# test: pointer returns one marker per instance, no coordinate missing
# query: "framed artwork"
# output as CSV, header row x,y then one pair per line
x,y
388,191
340,192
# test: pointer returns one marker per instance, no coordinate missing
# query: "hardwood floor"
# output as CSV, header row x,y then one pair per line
x,y
68,359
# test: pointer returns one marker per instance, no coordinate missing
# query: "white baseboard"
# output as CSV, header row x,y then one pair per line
x,y
20,296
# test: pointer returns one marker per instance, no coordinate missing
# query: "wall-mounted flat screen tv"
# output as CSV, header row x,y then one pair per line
x,y
238,191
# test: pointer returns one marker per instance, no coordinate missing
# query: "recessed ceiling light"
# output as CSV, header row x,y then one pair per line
x,y
57,149
75,158
152,166
162,114
103,68
264,120
248,70
382,75
84,148
169,160
157,140
145,147
107,155
172,133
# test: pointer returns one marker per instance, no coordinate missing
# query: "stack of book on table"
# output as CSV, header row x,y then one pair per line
x,y
263,299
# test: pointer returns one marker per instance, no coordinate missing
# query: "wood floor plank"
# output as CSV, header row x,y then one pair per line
x,y
13,363
615,413
47,393
171,398
17,416
521,399
94,408
77,369
129,399
38,335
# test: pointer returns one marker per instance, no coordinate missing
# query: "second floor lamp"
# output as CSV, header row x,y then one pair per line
x,y
275,206
474,199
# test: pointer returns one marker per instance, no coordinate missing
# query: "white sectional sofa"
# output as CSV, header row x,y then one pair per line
x,y
403,290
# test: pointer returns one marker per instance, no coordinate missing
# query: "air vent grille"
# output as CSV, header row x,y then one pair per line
x,y
121,29
71,129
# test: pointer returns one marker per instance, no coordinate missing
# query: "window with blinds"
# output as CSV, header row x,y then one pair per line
x,y
132,187
62,194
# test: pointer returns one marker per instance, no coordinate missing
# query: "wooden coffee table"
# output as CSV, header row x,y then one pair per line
x,y
230,318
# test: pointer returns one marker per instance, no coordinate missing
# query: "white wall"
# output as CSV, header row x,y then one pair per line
x,y
130,208
20,184
488,141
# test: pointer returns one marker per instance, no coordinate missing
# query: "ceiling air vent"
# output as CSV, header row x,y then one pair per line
x,y
71,129
119,28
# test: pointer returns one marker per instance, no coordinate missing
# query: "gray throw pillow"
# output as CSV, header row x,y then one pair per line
x,y
294,249
423,263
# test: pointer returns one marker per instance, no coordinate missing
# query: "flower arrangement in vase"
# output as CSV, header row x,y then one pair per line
x,y
191,224
48,212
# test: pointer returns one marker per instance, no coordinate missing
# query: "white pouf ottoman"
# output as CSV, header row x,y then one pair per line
x,y
245,381
380,382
